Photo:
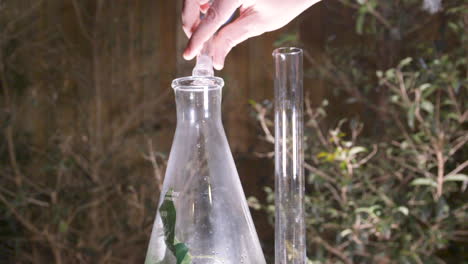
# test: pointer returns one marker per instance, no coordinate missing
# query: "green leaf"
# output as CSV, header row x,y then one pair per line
x,y
390,74
168,216
322,154
453,116
405,62
345,232
453,26
448,102
330,157
252,102
379,74
403,209
424,181
312,177
182,254
355,150
410,116
456,177
343,165
424,86
360,23
63,226
254,203
372,210
427,106
457,9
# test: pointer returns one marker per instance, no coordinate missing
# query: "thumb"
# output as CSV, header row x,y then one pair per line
x,y
231,35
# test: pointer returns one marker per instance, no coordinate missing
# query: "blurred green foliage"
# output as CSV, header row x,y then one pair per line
x,y
79,176
388,185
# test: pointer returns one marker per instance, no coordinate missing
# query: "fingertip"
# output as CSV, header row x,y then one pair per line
x,y
193,47
218,66
218,60
220,51
187,55
189,52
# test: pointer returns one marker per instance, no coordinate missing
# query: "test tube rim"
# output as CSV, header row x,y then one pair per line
x,y
289,51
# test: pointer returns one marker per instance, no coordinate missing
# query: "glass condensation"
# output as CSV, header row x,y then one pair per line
x,y
203,216
290,247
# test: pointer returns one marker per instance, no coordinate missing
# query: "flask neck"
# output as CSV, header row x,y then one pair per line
x,y
198,105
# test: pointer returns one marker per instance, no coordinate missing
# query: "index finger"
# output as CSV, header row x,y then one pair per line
x,y
217,14
190,16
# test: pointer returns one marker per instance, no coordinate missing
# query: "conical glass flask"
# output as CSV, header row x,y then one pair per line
x,y
202,217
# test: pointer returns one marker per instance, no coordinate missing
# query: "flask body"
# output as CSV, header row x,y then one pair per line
x,y
203,216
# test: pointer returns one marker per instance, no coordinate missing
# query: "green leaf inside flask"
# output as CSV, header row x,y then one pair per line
x,y
181,253
168,216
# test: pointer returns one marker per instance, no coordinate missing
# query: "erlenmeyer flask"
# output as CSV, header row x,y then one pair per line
x,y
202,217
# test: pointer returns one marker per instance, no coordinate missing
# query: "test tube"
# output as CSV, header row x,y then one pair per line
x,y
290,246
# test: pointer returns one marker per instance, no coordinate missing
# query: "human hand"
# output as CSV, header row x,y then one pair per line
x,y
256,17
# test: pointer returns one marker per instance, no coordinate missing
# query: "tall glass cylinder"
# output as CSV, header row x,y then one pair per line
x,y
290,246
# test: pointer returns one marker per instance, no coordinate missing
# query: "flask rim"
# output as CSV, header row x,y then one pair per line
x,y
195,83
